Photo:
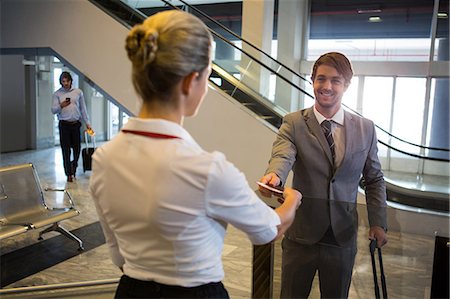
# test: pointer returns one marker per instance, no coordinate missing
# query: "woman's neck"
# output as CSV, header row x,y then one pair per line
x,y
162,112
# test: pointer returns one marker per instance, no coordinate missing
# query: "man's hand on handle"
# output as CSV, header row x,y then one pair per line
x,y
378,233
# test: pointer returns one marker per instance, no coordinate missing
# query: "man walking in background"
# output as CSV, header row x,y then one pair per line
x,y
70,107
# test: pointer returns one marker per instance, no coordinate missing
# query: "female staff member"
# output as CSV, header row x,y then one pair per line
x,y
164,203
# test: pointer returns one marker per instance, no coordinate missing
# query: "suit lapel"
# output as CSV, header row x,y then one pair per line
x,y
350,130
316,130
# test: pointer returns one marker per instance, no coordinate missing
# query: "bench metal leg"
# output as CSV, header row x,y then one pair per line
x,y
56,227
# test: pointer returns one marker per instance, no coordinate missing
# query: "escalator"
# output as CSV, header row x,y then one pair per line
x,y
235,77
102,41
225,73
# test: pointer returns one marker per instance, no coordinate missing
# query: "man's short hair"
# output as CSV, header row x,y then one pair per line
x,y
66,75
336,60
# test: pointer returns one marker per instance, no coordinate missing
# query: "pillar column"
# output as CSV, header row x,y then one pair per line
x,y
293,19
41,91
257,28
439,136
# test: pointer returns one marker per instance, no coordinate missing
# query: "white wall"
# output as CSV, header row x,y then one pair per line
x,y
80,32
13,106
94,44
226,126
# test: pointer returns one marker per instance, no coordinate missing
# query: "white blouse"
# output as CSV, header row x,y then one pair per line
x,y
164,205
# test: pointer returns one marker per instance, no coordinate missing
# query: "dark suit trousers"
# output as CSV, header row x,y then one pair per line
x,y
70,139
300,263
133,288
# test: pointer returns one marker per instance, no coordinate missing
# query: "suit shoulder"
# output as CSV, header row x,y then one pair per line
x,y
296,115
359,119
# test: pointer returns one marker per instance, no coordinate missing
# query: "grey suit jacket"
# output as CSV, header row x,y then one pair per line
x,y
329,195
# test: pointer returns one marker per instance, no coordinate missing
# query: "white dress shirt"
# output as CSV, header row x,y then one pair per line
x,y
164,205
73,112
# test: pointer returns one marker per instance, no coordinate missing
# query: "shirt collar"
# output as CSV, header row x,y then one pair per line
x,y
338,117
66,90
159,126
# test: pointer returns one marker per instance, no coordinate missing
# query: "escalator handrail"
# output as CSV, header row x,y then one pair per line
x,y
134,13
398,138
413,155
121,5
127,7
262,64
249,55
244,40
295,73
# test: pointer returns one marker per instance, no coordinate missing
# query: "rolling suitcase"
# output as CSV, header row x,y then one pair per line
x,y
372,247
87,152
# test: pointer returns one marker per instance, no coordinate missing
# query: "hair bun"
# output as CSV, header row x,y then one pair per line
x,y
150,46
141,45
133,40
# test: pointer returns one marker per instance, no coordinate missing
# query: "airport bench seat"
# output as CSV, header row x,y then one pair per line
x,y
23,206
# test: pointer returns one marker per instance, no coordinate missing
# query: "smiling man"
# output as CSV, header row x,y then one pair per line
x,y
328,149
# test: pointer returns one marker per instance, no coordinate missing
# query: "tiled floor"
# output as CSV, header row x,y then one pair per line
x,y
408,258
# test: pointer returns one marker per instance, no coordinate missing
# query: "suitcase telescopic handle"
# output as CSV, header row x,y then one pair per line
x,y
372,247
86,139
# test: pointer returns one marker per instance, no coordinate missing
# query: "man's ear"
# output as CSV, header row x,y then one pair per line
x,y
346,85
186,83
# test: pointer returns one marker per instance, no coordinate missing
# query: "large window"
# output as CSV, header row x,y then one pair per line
x,y
116,119
395,38
378,31
395,49
409,111
377,100
350,98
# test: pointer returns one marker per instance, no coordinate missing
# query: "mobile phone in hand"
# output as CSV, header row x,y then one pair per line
x,y
68,100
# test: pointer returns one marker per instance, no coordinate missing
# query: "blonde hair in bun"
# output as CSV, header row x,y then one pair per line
x,y
142,45
165,48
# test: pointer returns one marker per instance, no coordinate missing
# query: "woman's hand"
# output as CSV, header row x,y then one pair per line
x,y
286,212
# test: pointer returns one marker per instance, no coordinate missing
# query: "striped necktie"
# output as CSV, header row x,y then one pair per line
x,y
326,127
